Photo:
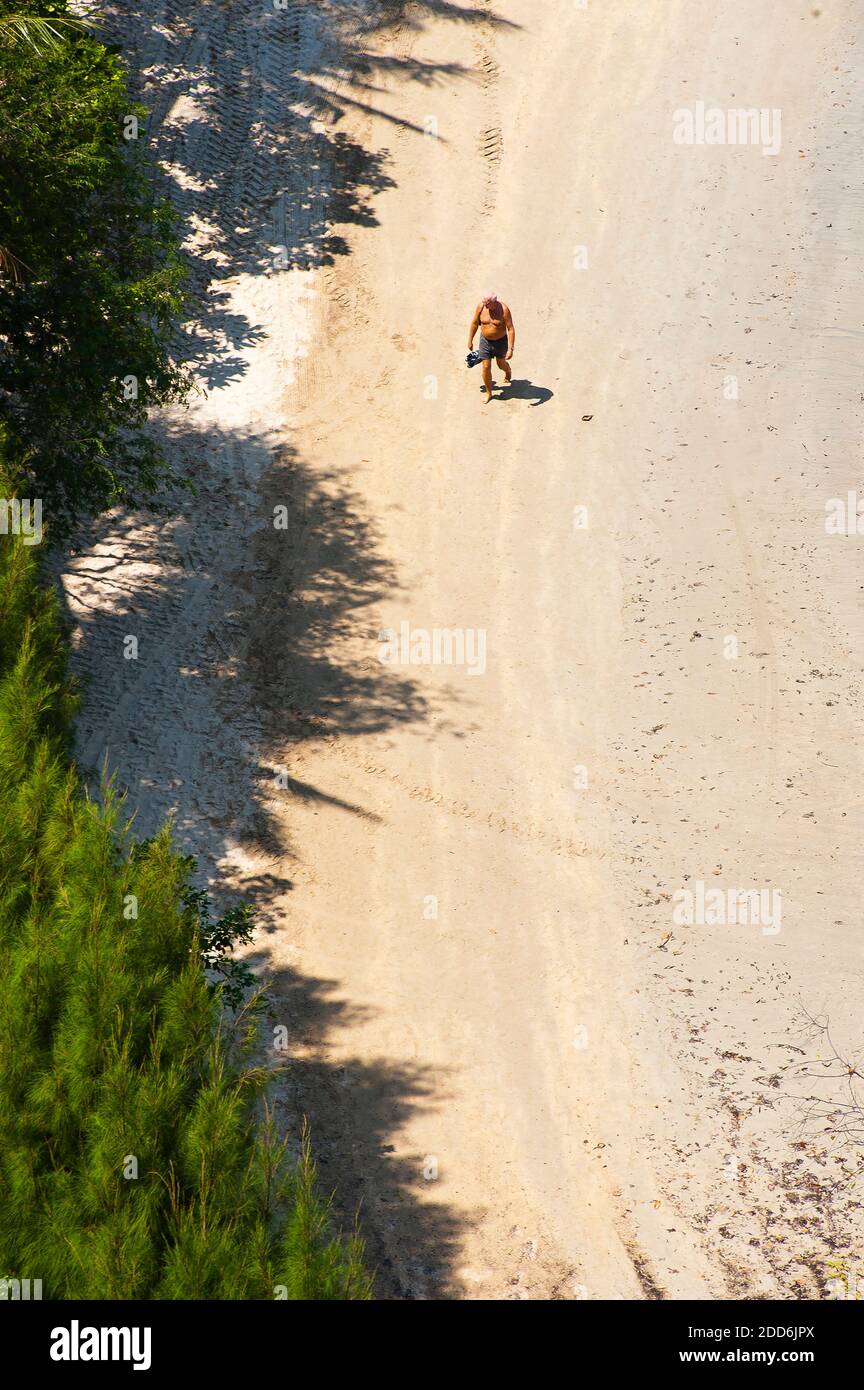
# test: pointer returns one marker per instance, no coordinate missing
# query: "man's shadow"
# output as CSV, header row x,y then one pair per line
x,y
521,390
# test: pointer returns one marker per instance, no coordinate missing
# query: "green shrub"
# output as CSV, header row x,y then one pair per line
x,y
134,1162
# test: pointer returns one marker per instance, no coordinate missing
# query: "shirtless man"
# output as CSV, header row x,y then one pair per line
x,y
496,332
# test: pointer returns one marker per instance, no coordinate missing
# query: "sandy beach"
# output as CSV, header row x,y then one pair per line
x,y
532,1073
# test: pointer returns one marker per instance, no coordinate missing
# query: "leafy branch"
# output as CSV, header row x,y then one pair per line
x,y
42,34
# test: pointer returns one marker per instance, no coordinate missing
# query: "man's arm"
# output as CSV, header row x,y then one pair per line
x,y
475,324
511,332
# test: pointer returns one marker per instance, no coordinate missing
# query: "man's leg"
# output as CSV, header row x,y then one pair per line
x,y
505,367
487,378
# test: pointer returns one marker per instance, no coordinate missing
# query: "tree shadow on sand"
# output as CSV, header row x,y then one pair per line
x,y
246,645
355,1110
252,639
245,102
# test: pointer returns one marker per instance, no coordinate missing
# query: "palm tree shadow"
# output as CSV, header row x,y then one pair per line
x,y
520,389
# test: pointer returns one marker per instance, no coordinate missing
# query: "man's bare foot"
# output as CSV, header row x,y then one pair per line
x,y
509,377
488,397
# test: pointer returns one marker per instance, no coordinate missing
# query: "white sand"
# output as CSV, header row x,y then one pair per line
x,y
534,1093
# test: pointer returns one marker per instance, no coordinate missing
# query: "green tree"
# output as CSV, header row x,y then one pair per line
x,y
135,1162
91,280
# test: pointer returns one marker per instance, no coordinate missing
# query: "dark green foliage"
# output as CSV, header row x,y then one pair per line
x,y
90,277
218,939
134,1159
114,1047
44,34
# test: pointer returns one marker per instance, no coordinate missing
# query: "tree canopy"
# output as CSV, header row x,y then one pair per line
x,y
91,276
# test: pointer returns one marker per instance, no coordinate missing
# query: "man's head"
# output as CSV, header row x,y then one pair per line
x,y
491,301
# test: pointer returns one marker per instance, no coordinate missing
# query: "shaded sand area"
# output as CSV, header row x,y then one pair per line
x,y
467,877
